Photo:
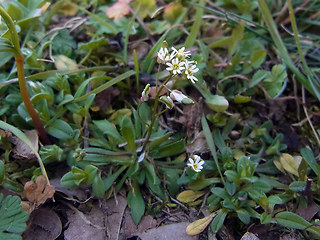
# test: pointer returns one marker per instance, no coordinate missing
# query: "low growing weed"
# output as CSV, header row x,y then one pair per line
x,y
189,104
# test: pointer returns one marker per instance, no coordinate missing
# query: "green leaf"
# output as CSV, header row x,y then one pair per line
x,y
128,132
257,78
2,171
231,188
106,85
91,173
159,140
217,103
243,215
136,203
110,180
308,156
154,184
68,180
168,150
257,58
218,221
144,7
220,192
12,218
201,183
231,175
153,181
81,89
98,187
94,44
195,29
297,186
6,45
291,220
61,130
172,176
15,11
275,80
265,218
211,144
109,129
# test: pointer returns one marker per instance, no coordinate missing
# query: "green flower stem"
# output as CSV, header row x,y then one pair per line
x,y
21,77
154,115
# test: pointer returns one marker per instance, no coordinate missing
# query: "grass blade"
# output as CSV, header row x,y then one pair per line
x,y
210,142
196,26
106,85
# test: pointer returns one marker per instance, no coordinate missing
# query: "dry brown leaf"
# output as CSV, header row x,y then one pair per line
x,y
114,209
189,196
175,231
119,9
38,192
249,236
141,47
44,224
198,226
198,144
84,226
22,150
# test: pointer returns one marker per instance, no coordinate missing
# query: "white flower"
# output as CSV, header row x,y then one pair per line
x,y
164,56
145,93
181,54
195,162
177,95
175,66
190,69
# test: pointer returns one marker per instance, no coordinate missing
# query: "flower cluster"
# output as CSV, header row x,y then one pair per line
x,y
79,154
177,62
195,162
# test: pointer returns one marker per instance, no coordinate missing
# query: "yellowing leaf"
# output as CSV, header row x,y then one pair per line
x,y
68,9
289,164
279,166
64,63
144,7
172,12
241,99
199,225
45,7
189,196
118,9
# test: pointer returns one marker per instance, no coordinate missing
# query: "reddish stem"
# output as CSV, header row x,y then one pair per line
x,y
26,99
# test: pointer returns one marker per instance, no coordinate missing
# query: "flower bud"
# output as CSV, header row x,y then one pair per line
x,y
145,93
180,97
167,101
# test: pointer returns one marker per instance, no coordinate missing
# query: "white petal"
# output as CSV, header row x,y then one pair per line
x,y
201,163
191,161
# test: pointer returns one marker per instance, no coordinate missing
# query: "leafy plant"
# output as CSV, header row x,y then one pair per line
x,y
12,218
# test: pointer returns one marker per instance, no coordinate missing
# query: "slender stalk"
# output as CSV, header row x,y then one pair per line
x,y
154,115
26,99
21,77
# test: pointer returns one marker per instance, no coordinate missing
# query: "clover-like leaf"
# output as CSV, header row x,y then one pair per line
x,y
12,218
